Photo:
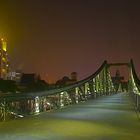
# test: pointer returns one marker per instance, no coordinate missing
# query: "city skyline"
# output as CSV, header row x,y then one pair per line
x,y
56,38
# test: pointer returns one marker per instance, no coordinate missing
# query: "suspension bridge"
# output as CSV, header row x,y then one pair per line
x,y
88,109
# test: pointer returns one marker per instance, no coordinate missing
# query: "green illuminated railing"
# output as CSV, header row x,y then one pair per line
x,y
19,105
134,86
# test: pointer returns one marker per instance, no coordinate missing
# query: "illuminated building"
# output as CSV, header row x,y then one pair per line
x,y
14,75
4,66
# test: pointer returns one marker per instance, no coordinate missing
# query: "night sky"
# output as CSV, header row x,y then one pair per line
x,y
57,37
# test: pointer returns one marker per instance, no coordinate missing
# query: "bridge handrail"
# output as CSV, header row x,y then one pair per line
x,y
136,79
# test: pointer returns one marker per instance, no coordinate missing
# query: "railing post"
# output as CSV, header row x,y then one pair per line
x,y
4,113
95,95
138,103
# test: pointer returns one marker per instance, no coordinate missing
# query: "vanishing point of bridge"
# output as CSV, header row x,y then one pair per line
x,y
113,116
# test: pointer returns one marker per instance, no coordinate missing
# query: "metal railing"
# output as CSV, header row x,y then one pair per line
x,y
20,105
134,86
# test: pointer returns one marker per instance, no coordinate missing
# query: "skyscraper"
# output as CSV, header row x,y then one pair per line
x,y
4,66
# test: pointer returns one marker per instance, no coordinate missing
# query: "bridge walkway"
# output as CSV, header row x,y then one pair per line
x,y
106,118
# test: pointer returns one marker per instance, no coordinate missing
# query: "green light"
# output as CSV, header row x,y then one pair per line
x,y
4,45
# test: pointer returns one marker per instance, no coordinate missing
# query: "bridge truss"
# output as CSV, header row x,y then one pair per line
x,y
98,84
